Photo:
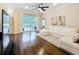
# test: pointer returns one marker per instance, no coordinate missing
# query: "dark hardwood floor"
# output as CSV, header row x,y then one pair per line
x,y
30,44
0,42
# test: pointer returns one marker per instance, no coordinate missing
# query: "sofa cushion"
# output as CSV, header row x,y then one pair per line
x,y
69,41
76,38
56,29
69,31
77,41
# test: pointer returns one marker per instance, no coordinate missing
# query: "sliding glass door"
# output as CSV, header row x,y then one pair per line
x,y
29,23
33,23
6,24
26,23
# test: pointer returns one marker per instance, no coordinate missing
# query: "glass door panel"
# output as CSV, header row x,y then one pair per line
x,y
29,23
33,23
6,24
26,23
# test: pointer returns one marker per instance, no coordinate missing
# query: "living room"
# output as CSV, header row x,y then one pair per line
x,y
53,23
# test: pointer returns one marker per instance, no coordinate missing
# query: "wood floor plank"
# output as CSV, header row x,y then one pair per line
x,y
34,46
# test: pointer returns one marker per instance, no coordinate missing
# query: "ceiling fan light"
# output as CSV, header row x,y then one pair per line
x,y
39,9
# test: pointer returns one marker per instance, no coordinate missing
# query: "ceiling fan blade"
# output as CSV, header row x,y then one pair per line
x,y
43,9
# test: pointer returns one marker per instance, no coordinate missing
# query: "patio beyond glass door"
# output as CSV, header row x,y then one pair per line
x,y
26,23
6,24
33,23
29,23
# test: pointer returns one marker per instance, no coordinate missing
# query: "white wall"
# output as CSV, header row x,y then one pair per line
x,y
1,7
4,8
0,20
70,11
17,20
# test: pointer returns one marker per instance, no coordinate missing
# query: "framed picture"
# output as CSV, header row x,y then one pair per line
x,y
61,20
54,20
58,20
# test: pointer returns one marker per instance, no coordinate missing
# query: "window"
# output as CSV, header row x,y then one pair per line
x,y
43,23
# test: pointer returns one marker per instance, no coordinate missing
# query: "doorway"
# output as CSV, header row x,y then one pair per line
x,y
6,24
5,30
29,23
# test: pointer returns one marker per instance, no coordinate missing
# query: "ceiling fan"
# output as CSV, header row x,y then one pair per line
x,y
40,6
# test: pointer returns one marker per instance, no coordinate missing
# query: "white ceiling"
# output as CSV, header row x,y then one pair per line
x,y
30,5
11,6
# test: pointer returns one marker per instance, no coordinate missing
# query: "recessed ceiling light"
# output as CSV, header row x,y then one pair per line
x,y
54,3
26,7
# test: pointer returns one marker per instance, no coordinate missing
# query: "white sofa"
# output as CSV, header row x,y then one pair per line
x,y
67,43
65,40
